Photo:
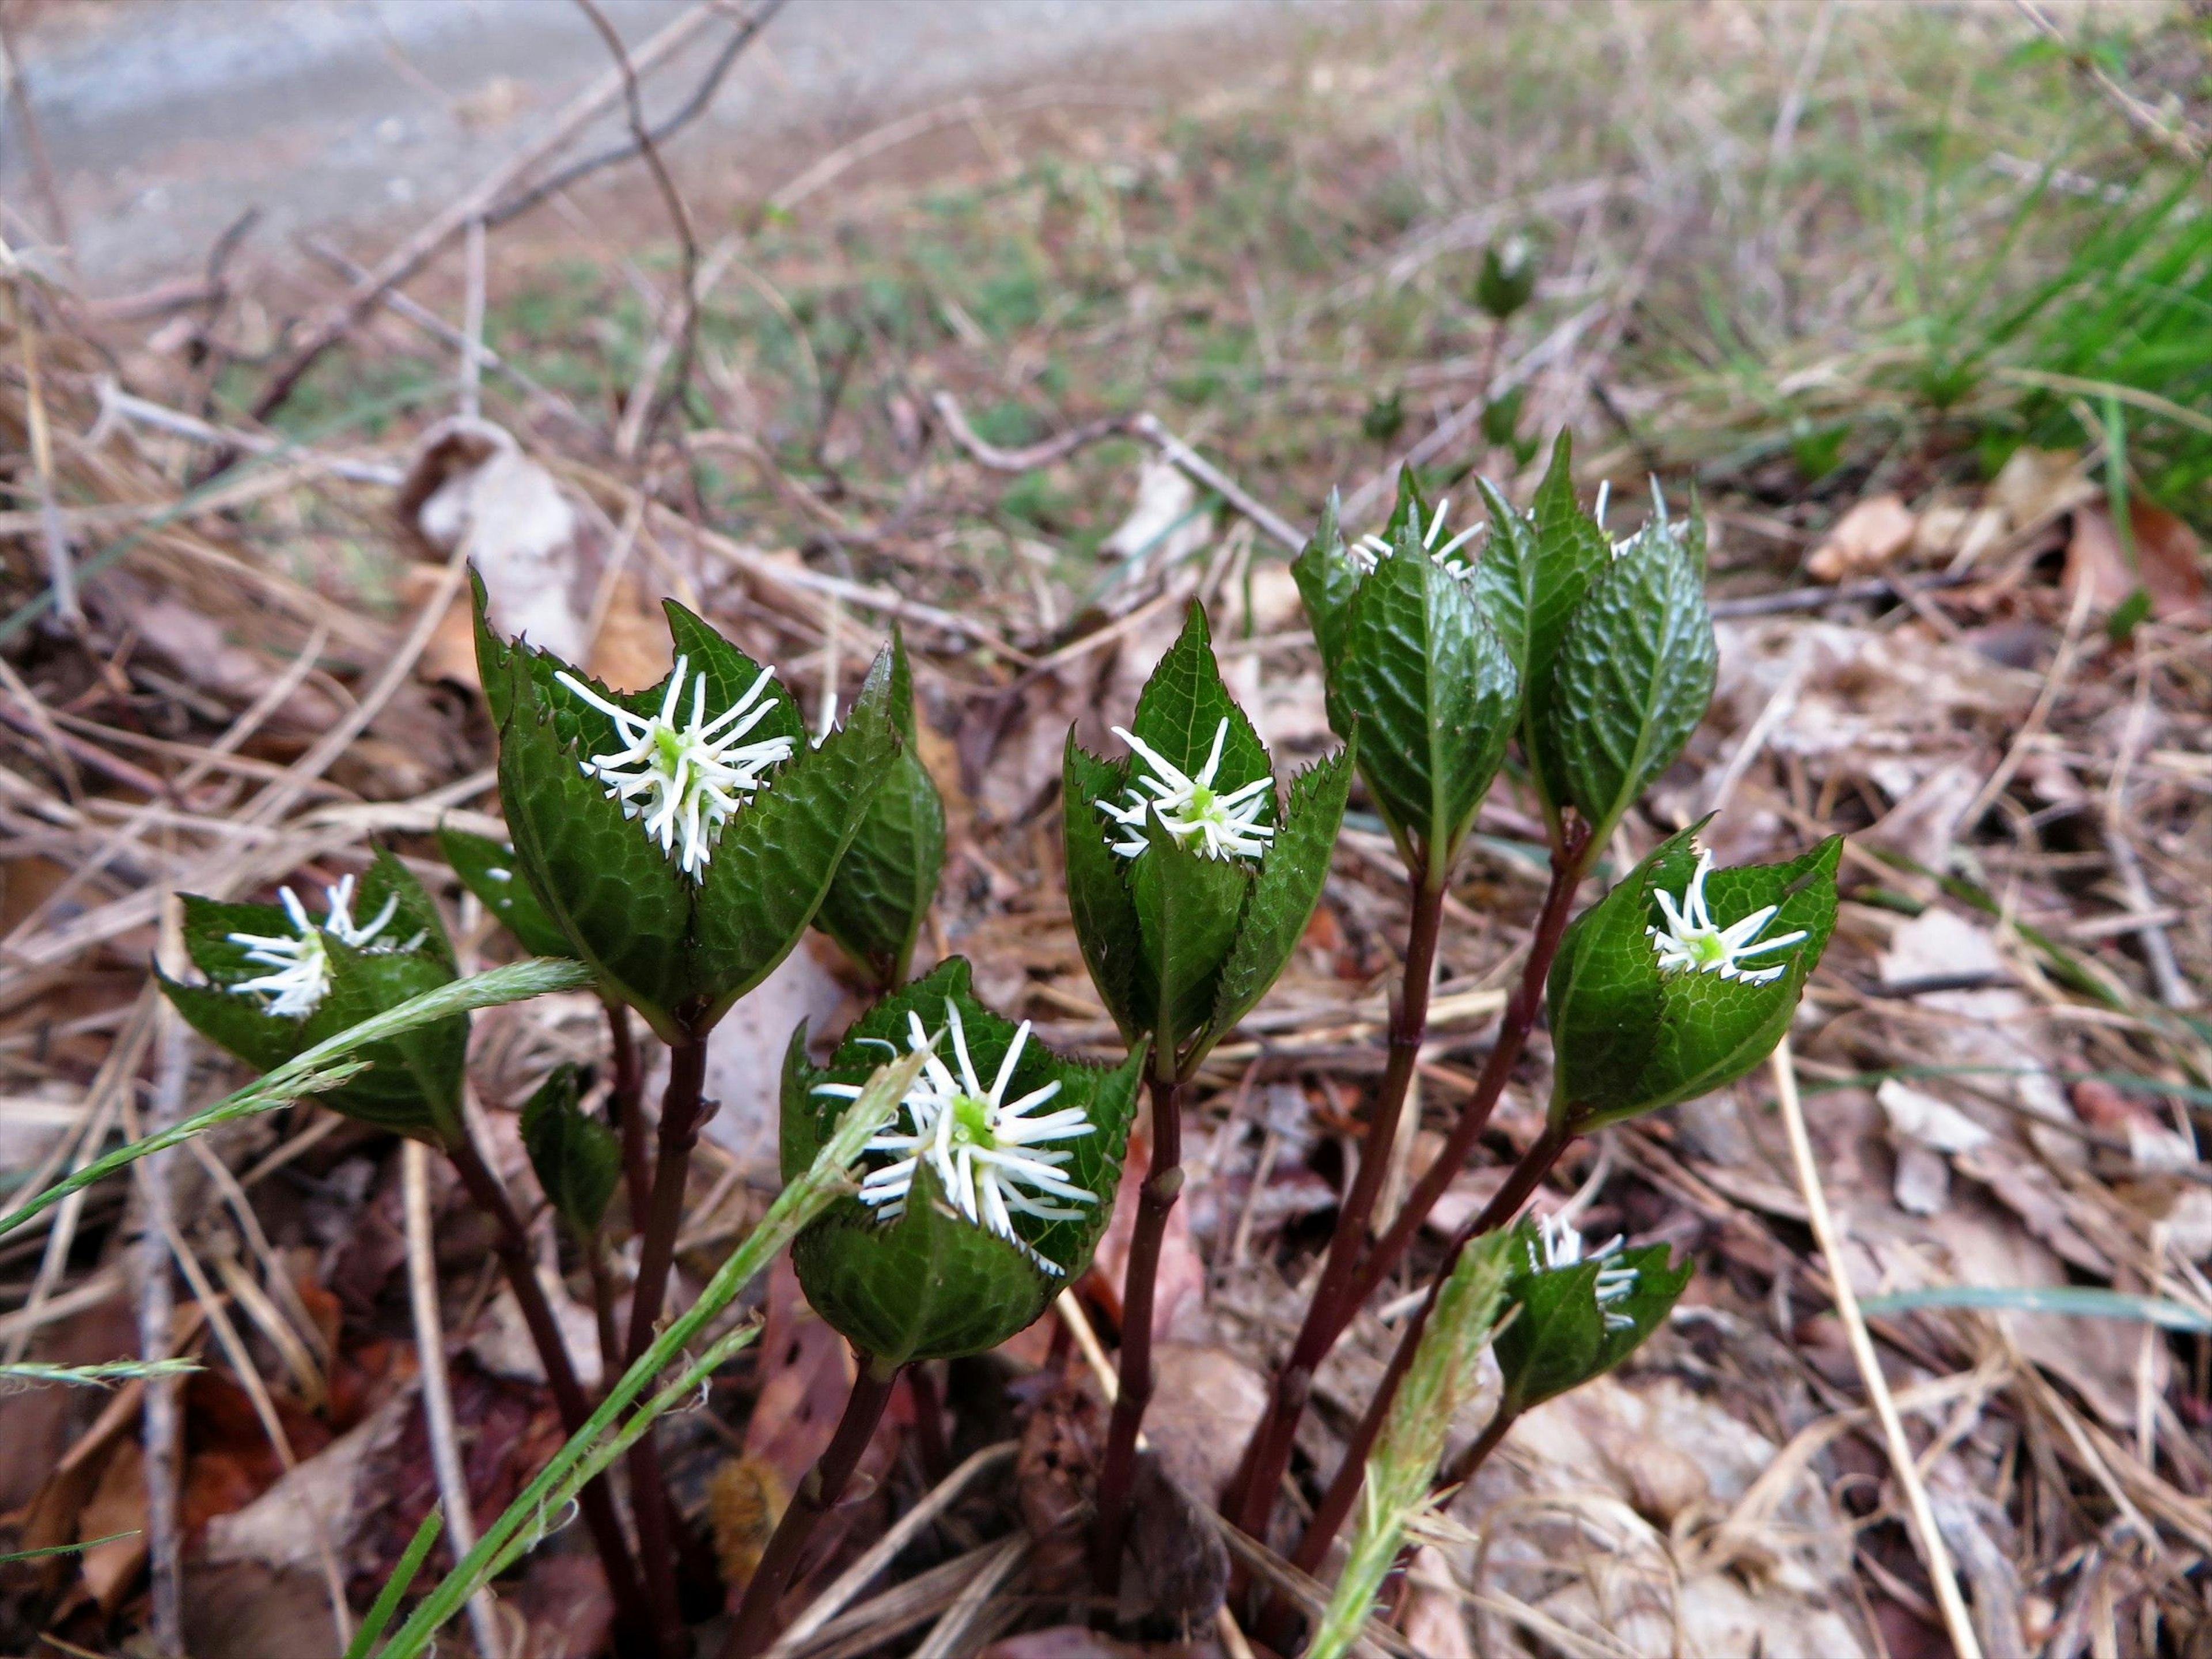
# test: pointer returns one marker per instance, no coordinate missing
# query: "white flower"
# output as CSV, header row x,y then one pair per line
x,y
980,1146
1692,941
1558,1247
302,967
1368,548
684,780
1226,823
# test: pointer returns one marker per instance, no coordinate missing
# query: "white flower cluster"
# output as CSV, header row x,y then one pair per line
x,y
1369,547
1226,823
981,1147
684,779
1691,941
1557,1246
300,974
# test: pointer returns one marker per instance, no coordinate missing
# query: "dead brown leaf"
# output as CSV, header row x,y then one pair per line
x,y
1864,541
2167,560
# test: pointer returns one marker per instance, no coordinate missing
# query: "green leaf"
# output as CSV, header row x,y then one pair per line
x,y
1630,1038
324,1067
1560,1336
777,858
1288,886
1507,577
917,1287
622,905
413,1085
1569,551
931,1286
1632,678
576,1158
1189,911
1327,580
415,926
1183,704
1098,899
730,674
1432,693
487,870
887,880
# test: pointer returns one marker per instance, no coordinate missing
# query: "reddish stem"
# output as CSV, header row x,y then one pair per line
x,y
681,1109
1326,1318
1336,1503
755,1624
1462,1468
596,1500
1268,1453
1157,1199
629,1105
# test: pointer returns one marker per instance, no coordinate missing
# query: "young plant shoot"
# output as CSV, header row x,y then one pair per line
x,y
1441,648
981,1199
681,838
1635,1028
1191,881
279,983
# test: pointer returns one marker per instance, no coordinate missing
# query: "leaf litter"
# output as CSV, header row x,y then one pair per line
x,y
2004,1092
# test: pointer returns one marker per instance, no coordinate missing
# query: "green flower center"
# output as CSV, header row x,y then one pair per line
x,y
1704,947
670,743
971,1123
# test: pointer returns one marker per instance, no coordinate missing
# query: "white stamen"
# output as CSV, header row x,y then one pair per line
x,y
684,782
1557,1246
1691,940
300,976
980,1145
1226,823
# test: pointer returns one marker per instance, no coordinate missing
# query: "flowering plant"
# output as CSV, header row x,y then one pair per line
x,y
683,837
1189,879
1657,999
279,979
985,1195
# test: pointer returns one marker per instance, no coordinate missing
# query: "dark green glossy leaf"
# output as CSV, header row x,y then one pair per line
x,y
487,870
1288,887
1570,551
775,857
577,1158
1189,912
1505,579
1558,1337
413,1085
1098,899
1630,1039
931,1286
940,1286
1183,706
1632,679
887,880
416,924
623,907
1327,580
1432,693
730,674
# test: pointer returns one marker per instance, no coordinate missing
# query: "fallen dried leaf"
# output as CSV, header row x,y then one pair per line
x,y
1864,540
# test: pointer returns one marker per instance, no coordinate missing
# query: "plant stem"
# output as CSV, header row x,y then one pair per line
x,y
1462,1468
629,1105
817,1494
1334,1300
680,1109
1163,1185
1329,1316
1336,1503
596,1500
1513,1030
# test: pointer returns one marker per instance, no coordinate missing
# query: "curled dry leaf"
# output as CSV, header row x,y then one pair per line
x,y
2166,562
1864,541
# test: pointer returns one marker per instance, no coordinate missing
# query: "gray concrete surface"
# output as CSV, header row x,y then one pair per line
x,y
165,119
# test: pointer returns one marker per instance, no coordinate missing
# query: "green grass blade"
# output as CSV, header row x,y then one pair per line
x,y
387,1599
64,1549
325,1065
799,1202
2082,1301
